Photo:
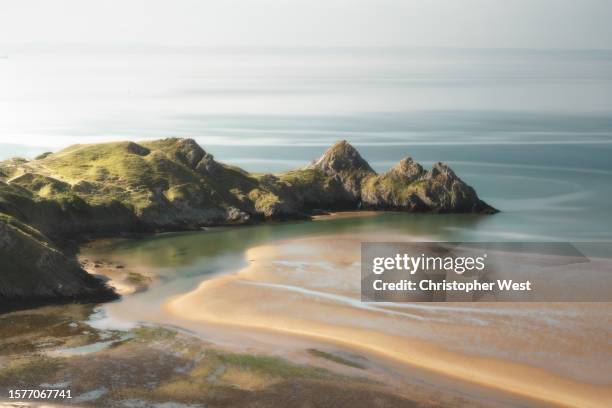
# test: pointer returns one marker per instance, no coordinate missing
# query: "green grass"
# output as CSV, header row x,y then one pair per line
x,y
302,177
154,333
393,186
163,181
263,200
120,173
273,366
32,371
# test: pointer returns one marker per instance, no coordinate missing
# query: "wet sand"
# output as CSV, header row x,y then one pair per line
x,y
123,281
347,214
309,288
55,348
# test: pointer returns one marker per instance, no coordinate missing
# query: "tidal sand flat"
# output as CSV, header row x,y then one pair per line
x,y
55,348
184,190
309,287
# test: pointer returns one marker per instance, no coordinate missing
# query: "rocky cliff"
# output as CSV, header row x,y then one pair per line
x,y
174,184
34,272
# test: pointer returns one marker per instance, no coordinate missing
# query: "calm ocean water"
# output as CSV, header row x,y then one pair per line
x,y
530,130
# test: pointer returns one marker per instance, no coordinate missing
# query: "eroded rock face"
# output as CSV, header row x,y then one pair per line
x,y
189,152
345,168
208,165
407,170
407,186
173,184
33,271
236,216
444,191
384,193
133,148
341,157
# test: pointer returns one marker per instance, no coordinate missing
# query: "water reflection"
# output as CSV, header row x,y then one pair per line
x,y
177,250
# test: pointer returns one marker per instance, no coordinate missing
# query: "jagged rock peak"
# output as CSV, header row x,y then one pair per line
x,y
407,169
341,157
441,170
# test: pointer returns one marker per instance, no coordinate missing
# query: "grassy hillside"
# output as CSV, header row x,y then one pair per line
x,y
173,184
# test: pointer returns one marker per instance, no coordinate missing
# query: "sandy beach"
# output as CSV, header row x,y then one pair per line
x,y
309,288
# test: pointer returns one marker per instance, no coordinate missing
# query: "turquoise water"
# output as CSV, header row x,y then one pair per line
x,y
555,192
180,261
545,193
530,130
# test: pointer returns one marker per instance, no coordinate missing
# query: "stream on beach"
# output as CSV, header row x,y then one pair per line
x,y
529,130
545,202
284,288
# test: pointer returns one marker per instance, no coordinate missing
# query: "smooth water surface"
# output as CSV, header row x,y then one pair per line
x,y
531,130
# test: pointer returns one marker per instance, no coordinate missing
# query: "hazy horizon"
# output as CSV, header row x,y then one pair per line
x,y
303,96
269,73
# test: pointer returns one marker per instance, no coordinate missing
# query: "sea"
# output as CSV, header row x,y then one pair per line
x,y
530,130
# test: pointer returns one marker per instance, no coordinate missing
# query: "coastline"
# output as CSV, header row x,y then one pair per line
x,y
245,300
50,204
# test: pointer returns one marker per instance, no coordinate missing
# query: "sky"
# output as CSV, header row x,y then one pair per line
x,y
312,23
74,71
